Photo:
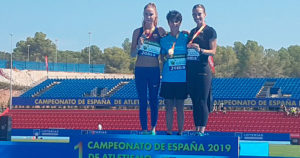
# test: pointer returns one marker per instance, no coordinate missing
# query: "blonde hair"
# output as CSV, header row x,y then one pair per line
x,y
199,6
155,10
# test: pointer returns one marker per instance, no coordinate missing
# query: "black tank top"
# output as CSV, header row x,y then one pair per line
x,y
154,39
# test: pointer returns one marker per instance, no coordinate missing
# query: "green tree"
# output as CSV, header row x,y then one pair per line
x,y
38,49
116,60
95,54
4,56
126,46
225,62
242,58
127,49
68,57
250,58
285,61
255,59
273,67
294,52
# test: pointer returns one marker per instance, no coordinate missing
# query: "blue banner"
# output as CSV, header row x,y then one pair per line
x,y
122,146
88,101
95,101
75,133
253,102
158,146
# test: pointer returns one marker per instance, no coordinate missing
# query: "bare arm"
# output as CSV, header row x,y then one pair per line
x,y
162,32
213,46
134,42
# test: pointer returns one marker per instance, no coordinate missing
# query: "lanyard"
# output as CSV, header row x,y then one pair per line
x,y
198,33
149,34
173,46
210,58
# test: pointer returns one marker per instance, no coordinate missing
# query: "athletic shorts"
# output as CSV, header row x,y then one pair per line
x,y
173,90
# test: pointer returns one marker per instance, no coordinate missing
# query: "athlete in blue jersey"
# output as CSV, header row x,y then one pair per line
x,y
146,45
202,44
173,87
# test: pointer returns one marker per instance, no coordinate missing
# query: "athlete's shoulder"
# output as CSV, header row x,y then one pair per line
x,y
185,32
209,28
137,31
194,30
211,31
162,32
165,38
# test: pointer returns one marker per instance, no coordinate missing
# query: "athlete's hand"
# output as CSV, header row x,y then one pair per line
x,y
194,46
140,42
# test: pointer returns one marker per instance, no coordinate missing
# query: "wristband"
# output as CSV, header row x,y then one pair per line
x,y
201,50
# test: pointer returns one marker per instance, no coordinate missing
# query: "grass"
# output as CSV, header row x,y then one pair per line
x,y
284,150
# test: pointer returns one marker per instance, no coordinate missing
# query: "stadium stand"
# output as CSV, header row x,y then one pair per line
x,y
127,91
289,86
128,119
64,88
232,121
236,87
38,88
222,87
79,87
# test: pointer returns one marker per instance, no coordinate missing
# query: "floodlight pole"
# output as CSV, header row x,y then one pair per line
x,y
28,52
11,64
56,50
90,49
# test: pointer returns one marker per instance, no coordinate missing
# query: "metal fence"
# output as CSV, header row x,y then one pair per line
x,y
67,67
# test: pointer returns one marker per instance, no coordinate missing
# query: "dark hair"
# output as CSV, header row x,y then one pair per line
x,y
174,15
199,6
155,10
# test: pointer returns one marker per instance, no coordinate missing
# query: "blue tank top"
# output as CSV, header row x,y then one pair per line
x,y
174,68
151,46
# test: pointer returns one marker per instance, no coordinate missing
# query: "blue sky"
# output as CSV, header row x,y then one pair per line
x,y
272,23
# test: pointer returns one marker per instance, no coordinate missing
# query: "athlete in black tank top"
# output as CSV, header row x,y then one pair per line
x,y
145,44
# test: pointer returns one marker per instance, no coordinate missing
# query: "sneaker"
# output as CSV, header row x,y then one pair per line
x,y
153,132
200,134
145,133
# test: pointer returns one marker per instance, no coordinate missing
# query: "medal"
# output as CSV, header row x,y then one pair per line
x,y
171,52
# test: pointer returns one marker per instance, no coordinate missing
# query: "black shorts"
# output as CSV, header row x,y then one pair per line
x,y
173,90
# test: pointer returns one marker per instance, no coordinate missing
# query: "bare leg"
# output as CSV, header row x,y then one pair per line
x,y
180,114
169,114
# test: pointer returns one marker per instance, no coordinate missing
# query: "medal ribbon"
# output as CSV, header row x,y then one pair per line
x,y
197,33
150,33
210,58
173,46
